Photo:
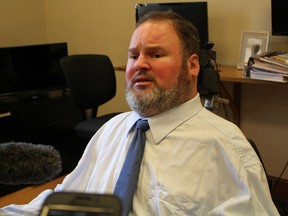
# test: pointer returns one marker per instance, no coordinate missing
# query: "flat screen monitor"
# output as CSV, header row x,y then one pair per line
x,y
32,68
279,12
195,12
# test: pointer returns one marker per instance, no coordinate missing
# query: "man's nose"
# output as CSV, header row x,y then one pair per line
x,y
142,63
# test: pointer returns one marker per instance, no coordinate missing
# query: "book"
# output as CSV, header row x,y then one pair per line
x,y
278,58
263,70
266,66
268,76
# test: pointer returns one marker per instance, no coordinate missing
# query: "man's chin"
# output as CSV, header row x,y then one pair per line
x,y
139,89
141,92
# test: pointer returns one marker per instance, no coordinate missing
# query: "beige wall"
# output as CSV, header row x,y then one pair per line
x,y
105,26
22,22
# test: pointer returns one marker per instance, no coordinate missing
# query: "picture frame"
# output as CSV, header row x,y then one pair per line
x,y
252,43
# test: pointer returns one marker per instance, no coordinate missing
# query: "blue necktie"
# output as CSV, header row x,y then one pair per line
x,y
128,178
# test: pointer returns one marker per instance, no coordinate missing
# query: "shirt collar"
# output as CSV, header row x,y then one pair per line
x,y
163,124
132,122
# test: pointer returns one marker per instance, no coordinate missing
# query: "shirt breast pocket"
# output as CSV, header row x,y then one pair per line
x,y
176,204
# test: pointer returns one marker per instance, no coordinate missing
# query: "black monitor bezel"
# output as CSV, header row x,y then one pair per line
x,y
16,86
279,17
182,8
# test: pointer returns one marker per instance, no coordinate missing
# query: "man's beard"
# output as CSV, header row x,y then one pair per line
x,y
160,100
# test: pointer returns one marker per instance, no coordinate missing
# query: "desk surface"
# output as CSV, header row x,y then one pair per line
x,y
232,74
26,194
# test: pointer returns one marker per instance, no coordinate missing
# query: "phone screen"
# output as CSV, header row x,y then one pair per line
x,y
75,213
80,204
63,210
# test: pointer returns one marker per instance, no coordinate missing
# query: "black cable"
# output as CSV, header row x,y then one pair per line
x,y
226,112
280,176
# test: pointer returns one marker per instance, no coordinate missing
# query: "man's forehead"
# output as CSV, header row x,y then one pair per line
x,y
157,32
162,25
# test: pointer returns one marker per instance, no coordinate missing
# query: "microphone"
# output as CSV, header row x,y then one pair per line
x,y
26,163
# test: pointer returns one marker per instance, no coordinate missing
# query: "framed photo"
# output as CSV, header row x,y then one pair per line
x,y
252,43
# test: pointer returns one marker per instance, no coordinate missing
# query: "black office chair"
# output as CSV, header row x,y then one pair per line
x,y
276,201
91,81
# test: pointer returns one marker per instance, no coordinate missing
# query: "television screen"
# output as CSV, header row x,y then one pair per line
x,y
279,17
195,12
32,68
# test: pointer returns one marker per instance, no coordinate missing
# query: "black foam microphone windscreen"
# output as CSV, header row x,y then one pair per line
x,y
26,163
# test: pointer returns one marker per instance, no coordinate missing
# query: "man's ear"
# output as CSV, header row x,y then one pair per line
x,y
193,65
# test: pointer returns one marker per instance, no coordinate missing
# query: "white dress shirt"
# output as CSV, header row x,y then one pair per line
x,y
195,163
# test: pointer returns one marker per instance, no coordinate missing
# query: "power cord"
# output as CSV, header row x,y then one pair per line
x,y
280,176
281,205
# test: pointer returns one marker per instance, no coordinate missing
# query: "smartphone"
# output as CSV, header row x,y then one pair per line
x,y
80,204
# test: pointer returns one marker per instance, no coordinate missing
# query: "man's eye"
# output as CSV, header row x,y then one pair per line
x,y
133,56
156,55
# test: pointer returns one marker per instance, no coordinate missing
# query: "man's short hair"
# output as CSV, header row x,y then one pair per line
x,y
186,31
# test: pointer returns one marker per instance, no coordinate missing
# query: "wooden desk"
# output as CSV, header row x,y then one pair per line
x,y
26,194
234,75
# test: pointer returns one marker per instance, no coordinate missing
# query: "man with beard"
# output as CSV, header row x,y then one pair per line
x,y
194,162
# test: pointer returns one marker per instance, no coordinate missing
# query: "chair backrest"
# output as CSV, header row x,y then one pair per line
x,y
280,208
90,78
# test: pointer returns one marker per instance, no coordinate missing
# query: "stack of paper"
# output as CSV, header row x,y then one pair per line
x,y
272,66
